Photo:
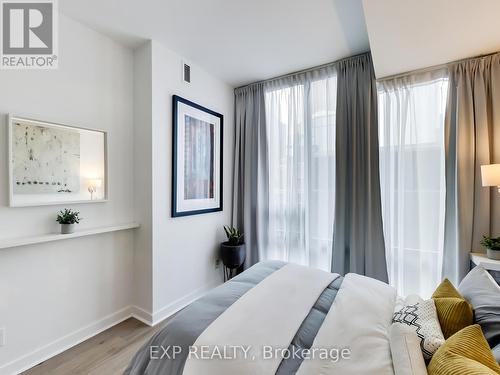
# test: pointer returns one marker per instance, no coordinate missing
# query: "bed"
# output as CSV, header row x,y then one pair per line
x,y
277,318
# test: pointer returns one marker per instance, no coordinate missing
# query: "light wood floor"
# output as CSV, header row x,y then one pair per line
x,y
108,353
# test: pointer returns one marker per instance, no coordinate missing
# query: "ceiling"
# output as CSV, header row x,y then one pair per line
x,y
239,41
406,35
243,41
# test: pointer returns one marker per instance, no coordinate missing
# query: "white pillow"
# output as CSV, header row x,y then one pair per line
x,y
407,356
421,316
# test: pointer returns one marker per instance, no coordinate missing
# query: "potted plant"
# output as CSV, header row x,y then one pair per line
x,y
232,251
68,218
492,246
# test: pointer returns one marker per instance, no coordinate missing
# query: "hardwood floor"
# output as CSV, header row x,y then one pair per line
x,y
108,353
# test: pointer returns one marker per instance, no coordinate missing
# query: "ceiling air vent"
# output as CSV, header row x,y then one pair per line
x,y
187,73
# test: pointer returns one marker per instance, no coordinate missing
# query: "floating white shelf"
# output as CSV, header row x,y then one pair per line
x,y
487,263
15,242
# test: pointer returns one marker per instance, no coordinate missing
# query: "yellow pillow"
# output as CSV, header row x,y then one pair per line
x,y
454,312
445,290
465,353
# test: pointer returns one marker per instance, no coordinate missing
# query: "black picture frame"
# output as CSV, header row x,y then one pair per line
x,y
176,212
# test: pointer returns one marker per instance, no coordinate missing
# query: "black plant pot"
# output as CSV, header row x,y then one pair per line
x,y
232,256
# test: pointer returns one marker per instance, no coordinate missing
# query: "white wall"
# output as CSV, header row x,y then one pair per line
x,y
56,293
143,181
183,250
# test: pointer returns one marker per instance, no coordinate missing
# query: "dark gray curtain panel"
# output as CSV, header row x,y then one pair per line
x,y
472,139
251,177
358,244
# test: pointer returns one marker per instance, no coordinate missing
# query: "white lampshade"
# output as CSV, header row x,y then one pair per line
x,y
490,174
95,183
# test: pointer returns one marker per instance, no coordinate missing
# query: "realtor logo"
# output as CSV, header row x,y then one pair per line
x,y
29,34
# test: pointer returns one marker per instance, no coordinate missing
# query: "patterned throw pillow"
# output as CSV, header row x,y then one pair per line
x,y
421,315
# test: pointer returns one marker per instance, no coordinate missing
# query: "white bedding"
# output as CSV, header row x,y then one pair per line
x,y
257,319
358,320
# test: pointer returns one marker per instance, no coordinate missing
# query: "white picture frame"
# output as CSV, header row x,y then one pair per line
x,y
91,157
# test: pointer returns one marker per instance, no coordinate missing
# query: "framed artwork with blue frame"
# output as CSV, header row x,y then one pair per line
x,y
197,159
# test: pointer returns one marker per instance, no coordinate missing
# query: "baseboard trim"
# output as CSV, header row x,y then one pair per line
x,y
142,315
169,310
58,346
64,343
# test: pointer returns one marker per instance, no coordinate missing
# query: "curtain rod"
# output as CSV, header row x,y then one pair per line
x,y
434,67
302,71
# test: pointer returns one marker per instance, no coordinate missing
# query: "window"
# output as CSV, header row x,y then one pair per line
x,y
412,179
301,143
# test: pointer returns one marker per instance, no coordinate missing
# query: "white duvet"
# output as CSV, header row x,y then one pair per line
x,y
359,319
357,323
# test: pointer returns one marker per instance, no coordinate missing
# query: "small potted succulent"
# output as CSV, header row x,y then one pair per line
x,y
233,251
68,218
492,245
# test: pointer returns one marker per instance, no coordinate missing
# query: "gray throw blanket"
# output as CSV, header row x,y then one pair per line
x,y
183,330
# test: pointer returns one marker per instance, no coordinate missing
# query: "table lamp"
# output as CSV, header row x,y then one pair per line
x,y
490,175
94,184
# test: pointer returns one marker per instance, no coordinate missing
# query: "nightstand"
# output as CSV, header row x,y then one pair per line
x,y
493,266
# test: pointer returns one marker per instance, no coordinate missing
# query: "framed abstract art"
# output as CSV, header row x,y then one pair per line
x,y
51,163
197,159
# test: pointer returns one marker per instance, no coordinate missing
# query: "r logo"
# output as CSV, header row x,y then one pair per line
x,y
27,28
29,34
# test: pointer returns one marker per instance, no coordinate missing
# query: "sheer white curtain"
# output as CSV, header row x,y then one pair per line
x,y
300,117
412,179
